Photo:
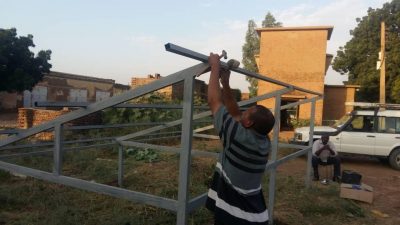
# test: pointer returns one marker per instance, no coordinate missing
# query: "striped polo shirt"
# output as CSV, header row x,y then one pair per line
x,y
235,195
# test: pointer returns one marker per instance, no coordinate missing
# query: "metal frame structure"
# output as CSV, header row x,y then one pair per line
x,y
183,205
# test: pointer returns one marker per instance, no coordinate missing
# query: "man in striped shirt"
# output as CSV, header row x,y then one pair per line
x,y
235,195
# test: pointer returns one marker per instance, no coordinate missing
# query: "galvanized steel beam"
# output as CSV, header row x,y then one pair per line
x,y
124,105
183,206
202,115
310,144
273,157
204,58
139,197
185,154
115,100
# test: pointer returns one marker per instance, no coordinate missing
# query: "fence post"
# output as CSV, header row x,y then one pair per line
x,y
310,144
58,148
185,153
120,165
274,150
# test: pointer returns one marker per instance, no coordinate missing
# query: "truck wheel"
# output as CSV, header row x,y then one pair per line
x,y
394,159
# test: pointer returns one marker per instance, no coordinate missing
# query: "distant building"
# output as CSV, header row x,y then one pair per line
x,y
174,91
120,88
297,55
63,87
10,101
140,81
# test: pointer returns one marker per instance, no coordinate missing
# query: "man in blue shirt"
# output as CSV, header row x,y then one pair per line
x,y
235,195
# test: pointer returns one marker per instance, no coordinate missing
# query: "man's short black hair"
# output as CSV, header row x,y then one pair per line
x,y
263,120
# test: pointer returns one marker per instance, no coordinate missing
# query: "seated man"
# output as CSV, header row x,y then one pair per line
x,y
367,126
324,153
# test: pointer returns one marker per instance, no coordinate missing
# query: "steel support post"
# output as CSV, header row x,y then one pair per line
x,y
204,58
120,165
185,155
310,144
272,173
117,192
58,148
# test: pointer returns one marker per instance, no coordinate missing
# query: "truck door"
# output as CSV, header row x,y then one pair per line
x,y
358,137
388,135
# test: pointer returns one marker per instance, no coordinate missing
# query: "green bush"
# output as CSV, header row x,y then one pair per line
x,y
300,123
130,115
147,155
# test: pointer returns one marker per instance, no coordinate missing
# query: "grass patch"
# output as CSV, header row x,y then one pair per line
x,y
30,201
4,176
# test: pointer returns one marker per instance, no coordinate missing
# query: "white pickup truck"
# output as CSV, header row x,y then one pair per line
x,y
367,132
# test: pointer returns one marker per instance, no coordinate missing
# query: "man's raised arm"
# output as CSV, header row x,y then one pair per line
x,y
214,91
227,96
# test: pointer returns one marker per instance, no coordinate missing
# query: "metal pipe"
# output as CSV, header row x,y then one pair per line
x,y
272,173
310,144
203,58
123,105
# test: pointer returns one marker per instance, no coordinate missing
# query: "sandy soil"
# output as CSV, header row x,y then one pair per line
x,y
384,180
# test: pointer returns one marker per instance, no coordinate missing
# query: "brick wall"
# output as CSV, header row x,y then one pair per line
x,y
29,117
294,55
335,98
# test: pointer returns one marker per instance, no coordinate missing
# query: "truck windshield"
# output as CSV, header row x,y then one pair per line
x,y
341,121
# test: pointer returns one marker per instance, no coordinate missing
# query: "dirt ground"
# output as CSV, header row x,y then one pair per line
x,y
384,180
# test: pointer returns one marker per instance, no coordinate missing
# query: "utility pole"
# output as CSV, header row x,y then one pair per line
x,y
382,62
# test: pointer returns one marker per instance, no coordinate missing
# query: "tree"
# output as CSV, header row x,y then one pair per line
x,y
19,68
252,48
270,21
396,90
359,55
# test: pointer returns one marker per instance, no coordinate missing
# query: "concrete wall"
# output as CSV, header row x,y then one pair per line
x,y
296,56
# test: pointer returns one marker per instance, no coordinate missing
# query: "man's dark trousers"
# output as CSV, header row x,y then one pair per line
x,y
331,160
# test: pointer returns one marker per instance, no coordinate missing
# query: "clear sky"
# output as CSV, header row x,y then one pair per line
x,y
120,39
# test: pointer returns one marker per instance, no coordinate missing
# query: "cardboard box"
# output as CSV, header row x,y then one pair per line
x,y
361,192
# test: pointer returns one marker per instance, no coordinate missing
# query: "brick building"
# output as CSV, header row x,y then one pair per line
x,y
174,91
59,87
297,55
62,87
334,101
